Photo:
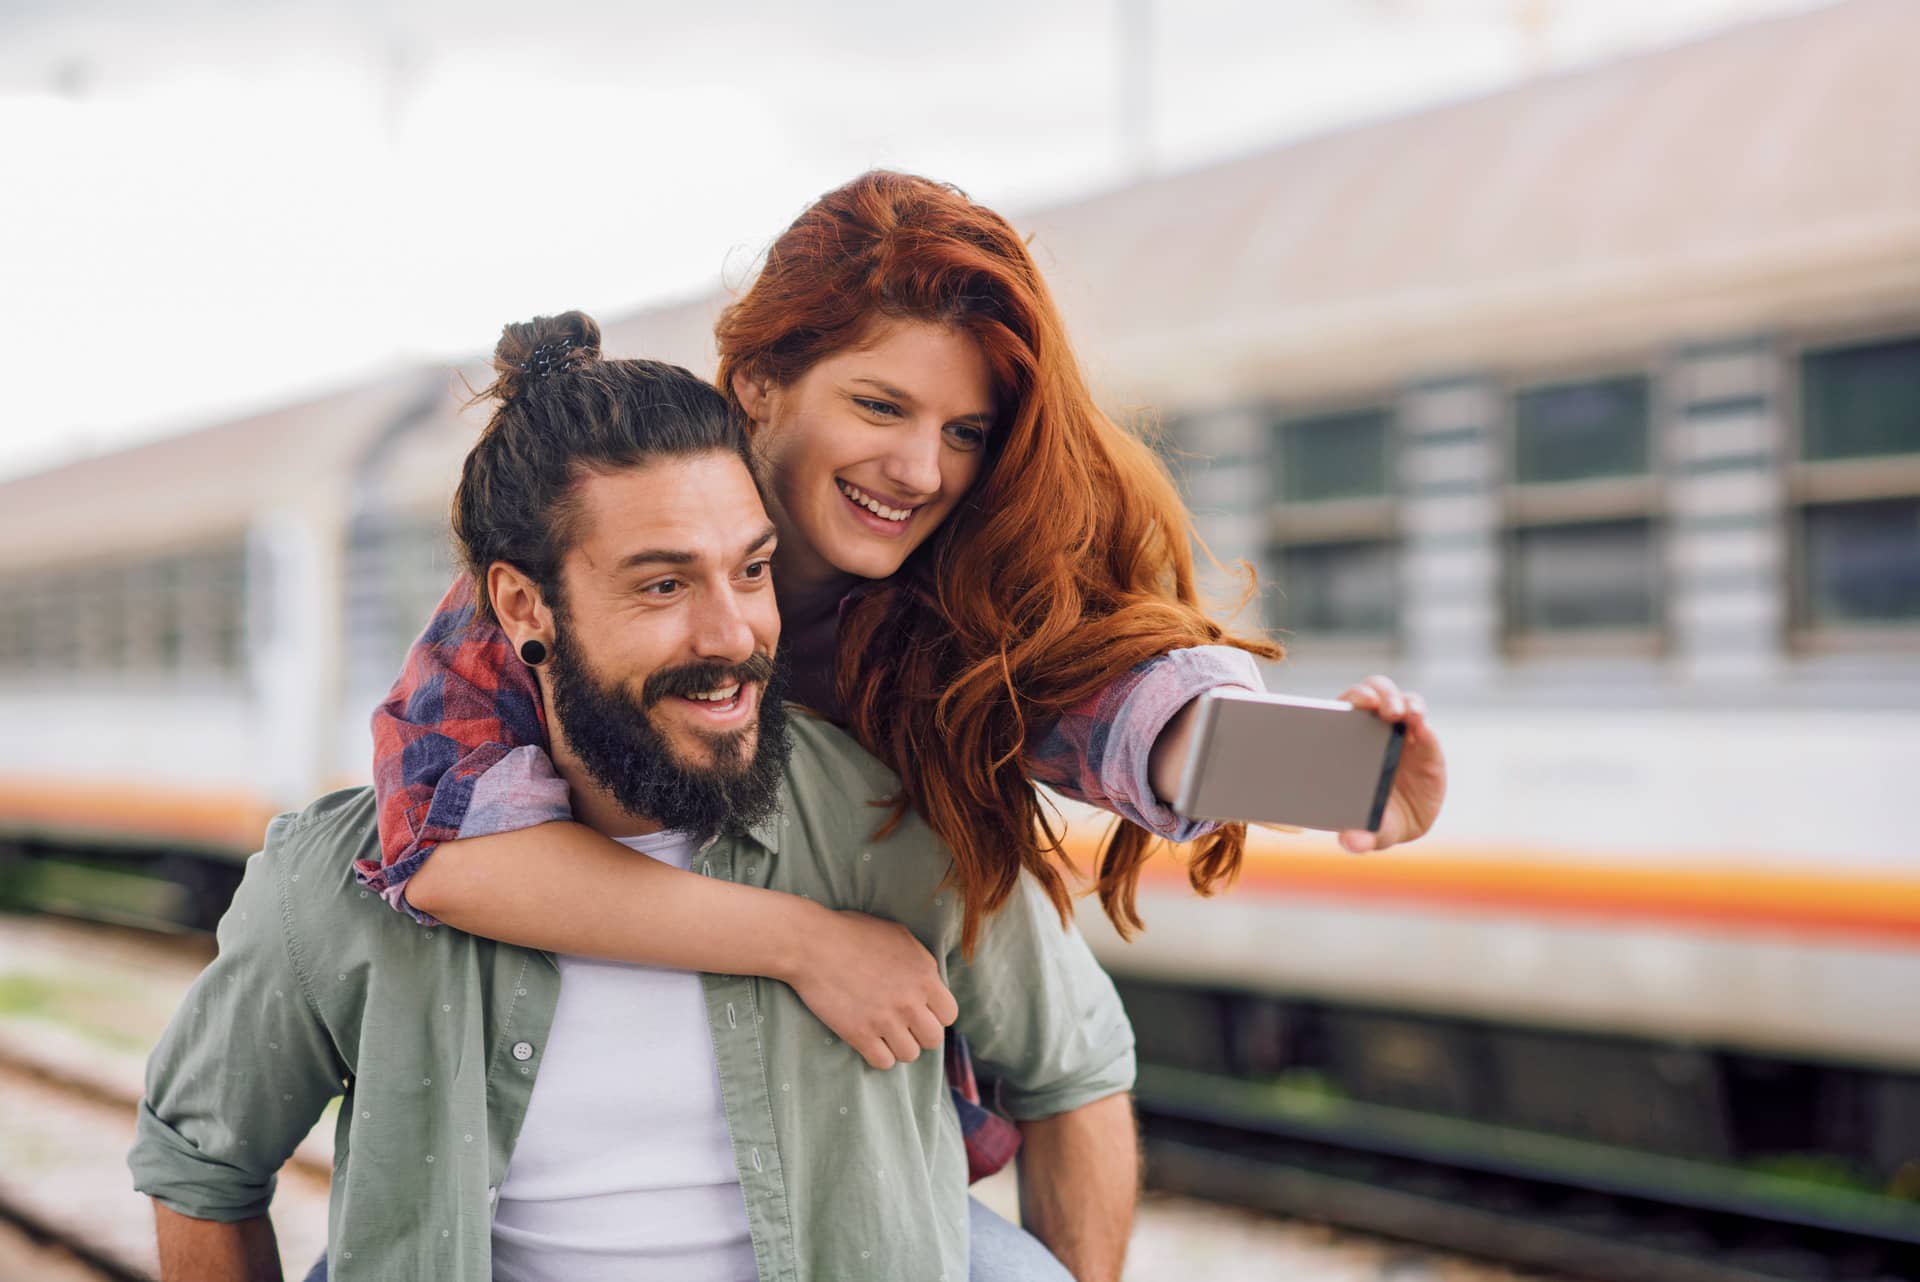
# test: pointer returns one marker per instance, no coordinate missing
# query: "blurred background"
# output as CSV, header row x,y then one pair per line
x,y
1561,359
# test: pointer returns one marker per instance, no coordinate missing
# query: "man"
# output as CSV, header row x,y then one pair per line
x,y
508,1113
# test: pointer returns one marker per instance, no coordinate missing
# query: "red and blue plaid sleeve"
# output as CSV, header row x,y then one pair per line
x,y
1100,750
991,1140
462,705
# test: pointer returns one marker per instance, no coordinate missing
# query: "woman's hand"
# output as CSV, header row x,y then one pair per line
x,y
874,985
1420,786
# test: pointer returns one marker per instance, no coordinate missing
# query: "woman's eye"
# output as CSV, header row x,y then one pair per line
x,y
967,438
885,409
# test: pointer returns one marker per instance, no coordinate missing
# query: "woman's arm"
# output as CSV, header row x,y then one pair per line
x,y
868,980
1122,749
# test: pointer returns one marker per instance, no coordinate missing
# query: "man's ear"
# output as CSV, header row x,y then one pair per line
x,y
519,605
755,395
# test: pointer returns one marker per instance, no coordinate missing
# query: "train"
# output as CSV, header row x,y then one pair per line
x,y
1590,408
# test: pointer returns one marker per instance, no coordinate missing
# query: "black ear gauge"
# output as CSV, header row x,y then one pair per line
x,y
533,652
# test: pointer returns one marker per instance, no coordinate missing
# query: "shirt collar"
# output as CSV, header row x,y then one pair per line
x,y
767,831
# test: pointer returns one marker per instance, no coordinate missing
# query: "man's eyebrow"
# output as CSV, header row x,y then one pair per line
x,y
656,556
981,420
679,556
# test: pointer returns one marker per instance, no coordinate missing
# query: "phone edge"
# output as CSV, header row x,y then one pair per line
x,y
1389,767
1190,769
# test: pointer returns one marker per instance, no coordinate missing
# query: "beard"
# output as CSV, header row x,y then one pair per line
x,y
613,735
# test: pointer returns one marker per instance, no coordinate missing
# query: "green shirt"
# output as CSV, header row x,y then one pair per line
x,y
434,1038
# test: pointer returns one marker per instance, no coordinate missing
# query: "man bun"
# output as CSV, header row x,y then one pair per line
x,y
529,352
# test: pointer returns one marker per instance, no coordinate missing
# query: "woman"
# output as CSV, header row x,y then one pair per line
x,y
979,574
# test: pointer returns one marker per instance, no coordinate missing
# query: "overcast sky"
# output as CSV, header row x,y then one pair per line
x,y
212,207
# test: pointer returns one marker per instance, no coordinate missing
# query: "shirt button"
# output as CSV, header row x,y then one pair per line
x,y
523,1050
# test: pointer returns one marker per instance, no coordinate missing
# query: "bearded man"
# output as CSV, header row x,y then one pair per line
x,y
523,1115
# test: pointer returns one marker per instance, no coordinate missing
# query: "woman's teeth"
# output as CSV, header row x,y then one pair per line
x,y
873,504
717,696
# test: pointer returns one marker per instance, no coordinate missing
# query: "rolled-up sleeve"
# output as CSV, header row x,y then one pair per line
x,y
1101,751
241,1073
1040,1013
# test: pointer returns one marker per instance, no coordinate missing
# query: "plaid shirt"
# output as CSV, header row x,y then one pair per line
x,y
459,751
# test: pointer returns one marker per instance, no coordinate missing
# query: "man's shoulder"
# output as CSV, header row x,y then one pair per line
x,y
311,853
833,784
825,758
342,823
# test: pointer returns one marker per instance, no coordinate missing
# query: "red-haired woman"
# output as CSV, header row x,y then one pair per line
x,y
988,582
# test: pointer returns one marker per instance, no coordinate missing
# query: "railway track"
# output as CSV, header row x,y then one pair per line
x,y
24,1255
78,1006
68,1215
1398,1183
63,1179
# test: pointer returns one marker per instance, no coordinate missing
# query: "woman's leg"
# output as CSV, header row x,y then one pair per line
x,y
1003,1252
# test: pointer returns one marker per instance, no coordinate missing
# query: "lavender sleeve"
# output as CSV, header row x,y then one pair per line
x,y
1100,752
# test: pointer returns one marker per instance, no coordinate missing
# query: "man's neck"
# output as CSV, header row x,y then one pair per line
x,y
593,805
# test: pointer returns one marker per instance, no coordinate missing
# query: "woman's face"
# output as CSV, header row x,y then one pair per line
x,y
868,451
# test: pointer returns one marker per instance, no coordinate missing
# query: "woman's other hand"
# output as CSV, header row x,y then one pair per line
x,y
1420,785
875,986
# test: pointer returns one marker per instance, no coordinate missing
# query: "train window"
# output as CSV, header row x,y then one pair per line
x,y
1863,561
1858,402
1578,431
225,569
166,614
1855,487
1333,456
1334,589
16,624
399,573
100,609
1333,536
55,624
155,641
1582,539
1584,577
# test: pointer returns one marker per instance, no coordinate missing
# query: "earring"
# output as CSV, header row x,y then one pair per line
x,y
533,653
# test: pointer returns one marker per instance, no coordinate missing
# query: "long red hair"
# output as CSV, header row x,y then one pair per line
x,y
1068,563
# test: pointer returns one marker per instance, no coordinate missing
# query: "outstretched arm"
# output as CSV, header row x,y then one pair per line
x,y
1122,748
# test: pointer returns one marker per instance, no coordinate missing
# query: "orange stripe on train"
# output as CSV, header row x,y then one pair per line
x,y
231,820
1725,893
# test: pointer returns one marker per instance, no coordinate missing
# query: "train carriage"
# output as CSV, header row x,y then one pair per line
x,y
1590,408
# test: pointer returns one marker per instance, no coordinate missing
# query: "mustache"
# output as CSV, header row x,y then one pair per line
x,y
698,678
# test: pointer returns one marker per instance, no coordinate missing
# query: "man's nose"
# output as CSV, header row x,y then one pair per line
x,y
913,464
721,629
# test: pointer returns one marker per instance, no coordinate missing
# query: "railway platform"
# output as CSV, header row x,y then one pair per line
x,y
79,1005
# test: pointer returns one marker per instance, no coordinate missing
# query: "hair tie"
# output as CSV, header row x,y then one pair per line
x,y
547,359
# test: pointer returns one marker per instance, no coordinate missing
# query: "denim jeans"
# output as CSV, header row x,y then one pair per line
x,y
1001,1252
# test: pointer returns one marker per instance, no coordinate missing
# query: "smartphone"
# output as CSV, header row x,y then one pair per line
x,y
1274,758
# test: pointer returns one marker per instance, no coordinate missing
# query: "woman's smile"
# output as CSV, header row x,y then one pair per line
x,y
874,514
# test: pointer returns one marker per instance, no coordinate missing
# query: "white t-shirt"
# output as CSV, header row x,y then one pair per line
x,y
624,1169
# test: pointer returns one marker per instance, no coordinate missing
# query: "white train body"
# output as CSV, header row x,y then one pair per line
x,y
1699,829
